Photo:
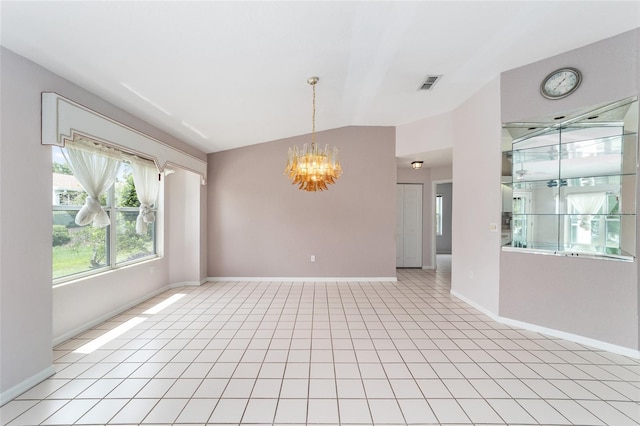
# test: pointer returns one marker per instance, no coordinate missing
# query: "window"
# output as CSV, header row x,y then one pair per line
x,y
438,214
84,250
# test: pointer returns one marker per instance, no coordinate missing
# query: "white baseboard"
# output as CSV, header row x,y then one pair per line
x,y
306,279
429,267
587,341
72,333
188,284
26,384
473,304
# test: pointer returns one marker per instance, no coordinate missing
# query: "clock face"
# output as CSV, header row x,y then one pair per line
x,y
560,83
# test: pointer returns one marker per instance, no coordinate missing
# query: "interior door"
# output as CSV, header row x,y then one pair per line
x,y
399,226
409,226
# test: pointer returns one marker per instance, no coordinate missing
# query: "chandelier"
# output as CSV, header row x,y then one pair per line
x,y
313,169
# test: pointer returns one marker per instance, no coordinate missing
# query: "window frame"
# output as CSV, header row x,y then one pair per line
x,y
439,229
111,239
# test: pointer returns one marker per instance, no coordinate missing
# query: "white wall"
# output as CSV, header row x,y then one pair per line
x,y
477,198
32,314
429,134
183,188
25,256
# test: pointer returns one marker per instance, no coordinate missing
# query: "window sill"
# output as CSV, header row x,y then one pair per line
x,y
78,278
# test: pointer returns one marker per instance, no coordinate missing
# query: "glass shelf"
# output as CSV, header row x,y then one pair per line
x,y
571,187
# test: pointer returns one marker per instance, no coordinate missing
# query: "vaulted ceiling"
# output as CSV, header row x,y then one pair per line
x,y
221,75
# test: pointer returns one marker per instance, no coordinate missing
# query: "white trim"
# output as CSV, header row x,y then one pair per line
x,y
598,344
428,267
68,335
474,305
62,119
186,284
306,279
26,384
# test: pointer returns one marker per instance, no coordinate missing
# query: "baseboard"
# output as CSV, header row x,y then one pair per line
x,y
68,335
26,384
187,284
429,267
473,304
587,341
305,279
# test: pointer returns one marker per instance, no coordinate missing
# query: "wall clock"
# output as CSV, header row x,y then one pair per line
x,y
560,83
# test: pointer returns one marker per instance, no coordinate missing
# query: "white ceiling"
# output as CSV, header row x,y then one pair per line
x,y
236,71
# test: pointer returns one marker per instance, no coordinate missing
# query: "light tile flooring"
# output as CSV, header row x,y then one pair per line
x,y
328,353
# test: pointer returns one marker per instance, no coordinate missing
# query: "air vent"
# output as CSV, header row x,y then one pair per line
x,y
429,82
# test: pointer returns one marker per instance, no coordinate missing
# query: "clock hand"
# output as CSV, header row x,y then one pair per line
x,y
560,82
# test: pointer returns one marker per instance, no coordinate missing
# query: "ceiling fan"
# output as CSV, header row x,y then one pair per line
x,y
522,173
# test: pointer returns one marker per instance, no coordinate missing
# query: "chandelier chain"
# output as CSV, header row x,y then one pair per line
x,y
313,117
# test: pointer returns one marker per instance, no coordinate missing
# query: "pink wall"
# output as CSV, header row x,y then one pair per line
x,y
262,226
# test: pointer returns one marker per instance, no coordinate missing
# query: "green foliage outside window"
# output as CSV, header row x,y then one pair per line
x,y
128,196
79,249
61,168
60,235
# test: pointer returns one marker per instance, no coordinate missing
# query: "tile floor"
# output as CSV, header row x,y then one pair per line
x,y
328,353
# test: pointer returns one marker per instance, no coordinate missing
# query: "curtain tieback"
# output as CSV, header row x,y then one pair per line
x,y
90,212
145,216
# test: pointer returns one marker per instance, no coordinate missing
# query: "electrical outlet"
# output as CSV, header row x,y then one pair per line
x,y
313,257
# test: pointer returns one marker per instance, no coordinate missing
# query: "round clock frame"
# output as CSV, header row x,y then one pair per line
x,y
561,83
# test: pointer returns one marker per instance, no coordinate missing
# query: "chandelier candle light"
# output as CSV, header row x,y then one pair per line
x,y
313,169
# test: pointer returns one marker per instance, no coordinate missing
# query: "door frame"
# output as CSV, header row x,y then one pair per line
x,y
434,186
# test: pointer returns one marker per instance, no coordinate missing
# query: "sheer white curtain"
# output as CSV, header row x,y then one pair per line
x,y
147,182
96,173
587,204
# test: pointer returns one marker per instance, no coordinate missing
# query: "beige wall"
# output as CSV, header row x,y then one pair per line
x,y
597,299
32,314
262,226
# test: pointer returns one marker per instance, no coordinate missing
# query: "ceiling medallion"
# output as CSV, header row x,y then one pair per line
x,y
313,169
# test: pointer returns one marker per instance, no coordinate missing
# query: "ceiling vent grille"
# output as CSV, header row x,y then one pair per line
x,y
429,82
